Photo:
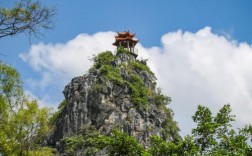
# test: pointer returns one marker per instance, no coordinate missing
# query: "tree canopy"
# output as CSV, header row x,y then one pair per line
x,y
23,124
26,16
213,136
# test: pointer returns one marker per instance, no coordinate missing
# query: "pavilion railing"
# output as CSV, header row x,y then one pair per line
x,y
132,50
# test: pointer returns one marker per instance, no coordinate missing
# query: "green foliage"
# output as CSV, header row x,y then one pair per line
x,y
122,50
141,66
204,132
170,128
23,124
159,147
90,142
103,62
104,58
54,117
56,114
188,147
11,84
212,136
113,74
11,91
26,16
26,126
160,99
62,105
43,151
139,92
215,136
124,145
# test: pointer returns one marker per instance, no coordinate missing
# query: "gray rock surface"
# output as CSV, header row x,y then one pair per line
x,y
94,101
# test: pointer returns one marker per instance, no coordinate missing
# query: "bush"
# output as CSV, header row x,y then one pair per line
x,y
141,66
92,142
104,58
139,92
124,145
160,99
122,50
55,115
89,143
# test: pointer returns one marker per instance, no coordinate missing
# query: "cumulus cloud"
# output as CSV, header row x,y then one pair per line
x,y
192,68
204,68
63,61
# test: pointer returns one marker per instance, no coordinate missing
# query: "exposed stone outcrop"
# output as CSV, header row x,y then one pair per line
x,y
95,101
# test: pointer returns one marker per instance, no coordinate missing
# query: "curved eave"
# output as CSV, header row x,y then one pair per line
x,y
125,34
117,42
126,39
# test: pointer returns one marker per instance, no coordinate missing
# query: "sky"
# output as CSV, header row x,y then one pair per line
x,y
200,51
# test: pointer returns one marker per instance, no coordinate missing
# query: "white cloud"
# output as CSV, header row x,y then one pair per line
x,y
204,68
64,61
192,68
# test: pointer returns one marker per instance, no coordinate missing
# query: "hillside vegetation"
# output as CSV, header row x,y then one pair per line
x,y
114,109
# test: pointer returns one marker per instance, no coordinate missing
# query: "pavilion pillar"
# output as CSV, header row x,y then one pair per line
x,y
128,45
126,40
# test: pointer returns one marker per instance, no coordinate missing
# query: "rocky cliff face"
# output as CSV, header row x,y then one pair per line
x,y
119,92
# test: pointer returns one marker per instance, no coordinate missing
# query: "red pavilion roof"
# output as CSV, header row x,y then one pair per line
x,y
125,36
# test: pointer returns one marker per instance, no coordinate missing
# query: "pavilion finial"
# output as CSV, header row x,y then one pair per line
x,y
126,29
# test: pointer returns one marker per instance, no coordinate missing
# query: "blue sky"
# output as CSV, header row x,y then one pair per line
x,y
149,19
152,21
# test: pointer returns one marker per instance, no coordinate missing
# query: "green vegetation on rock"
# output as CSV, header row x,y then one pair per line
x,y
138,90
55,115
141,65
104,63
122,50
